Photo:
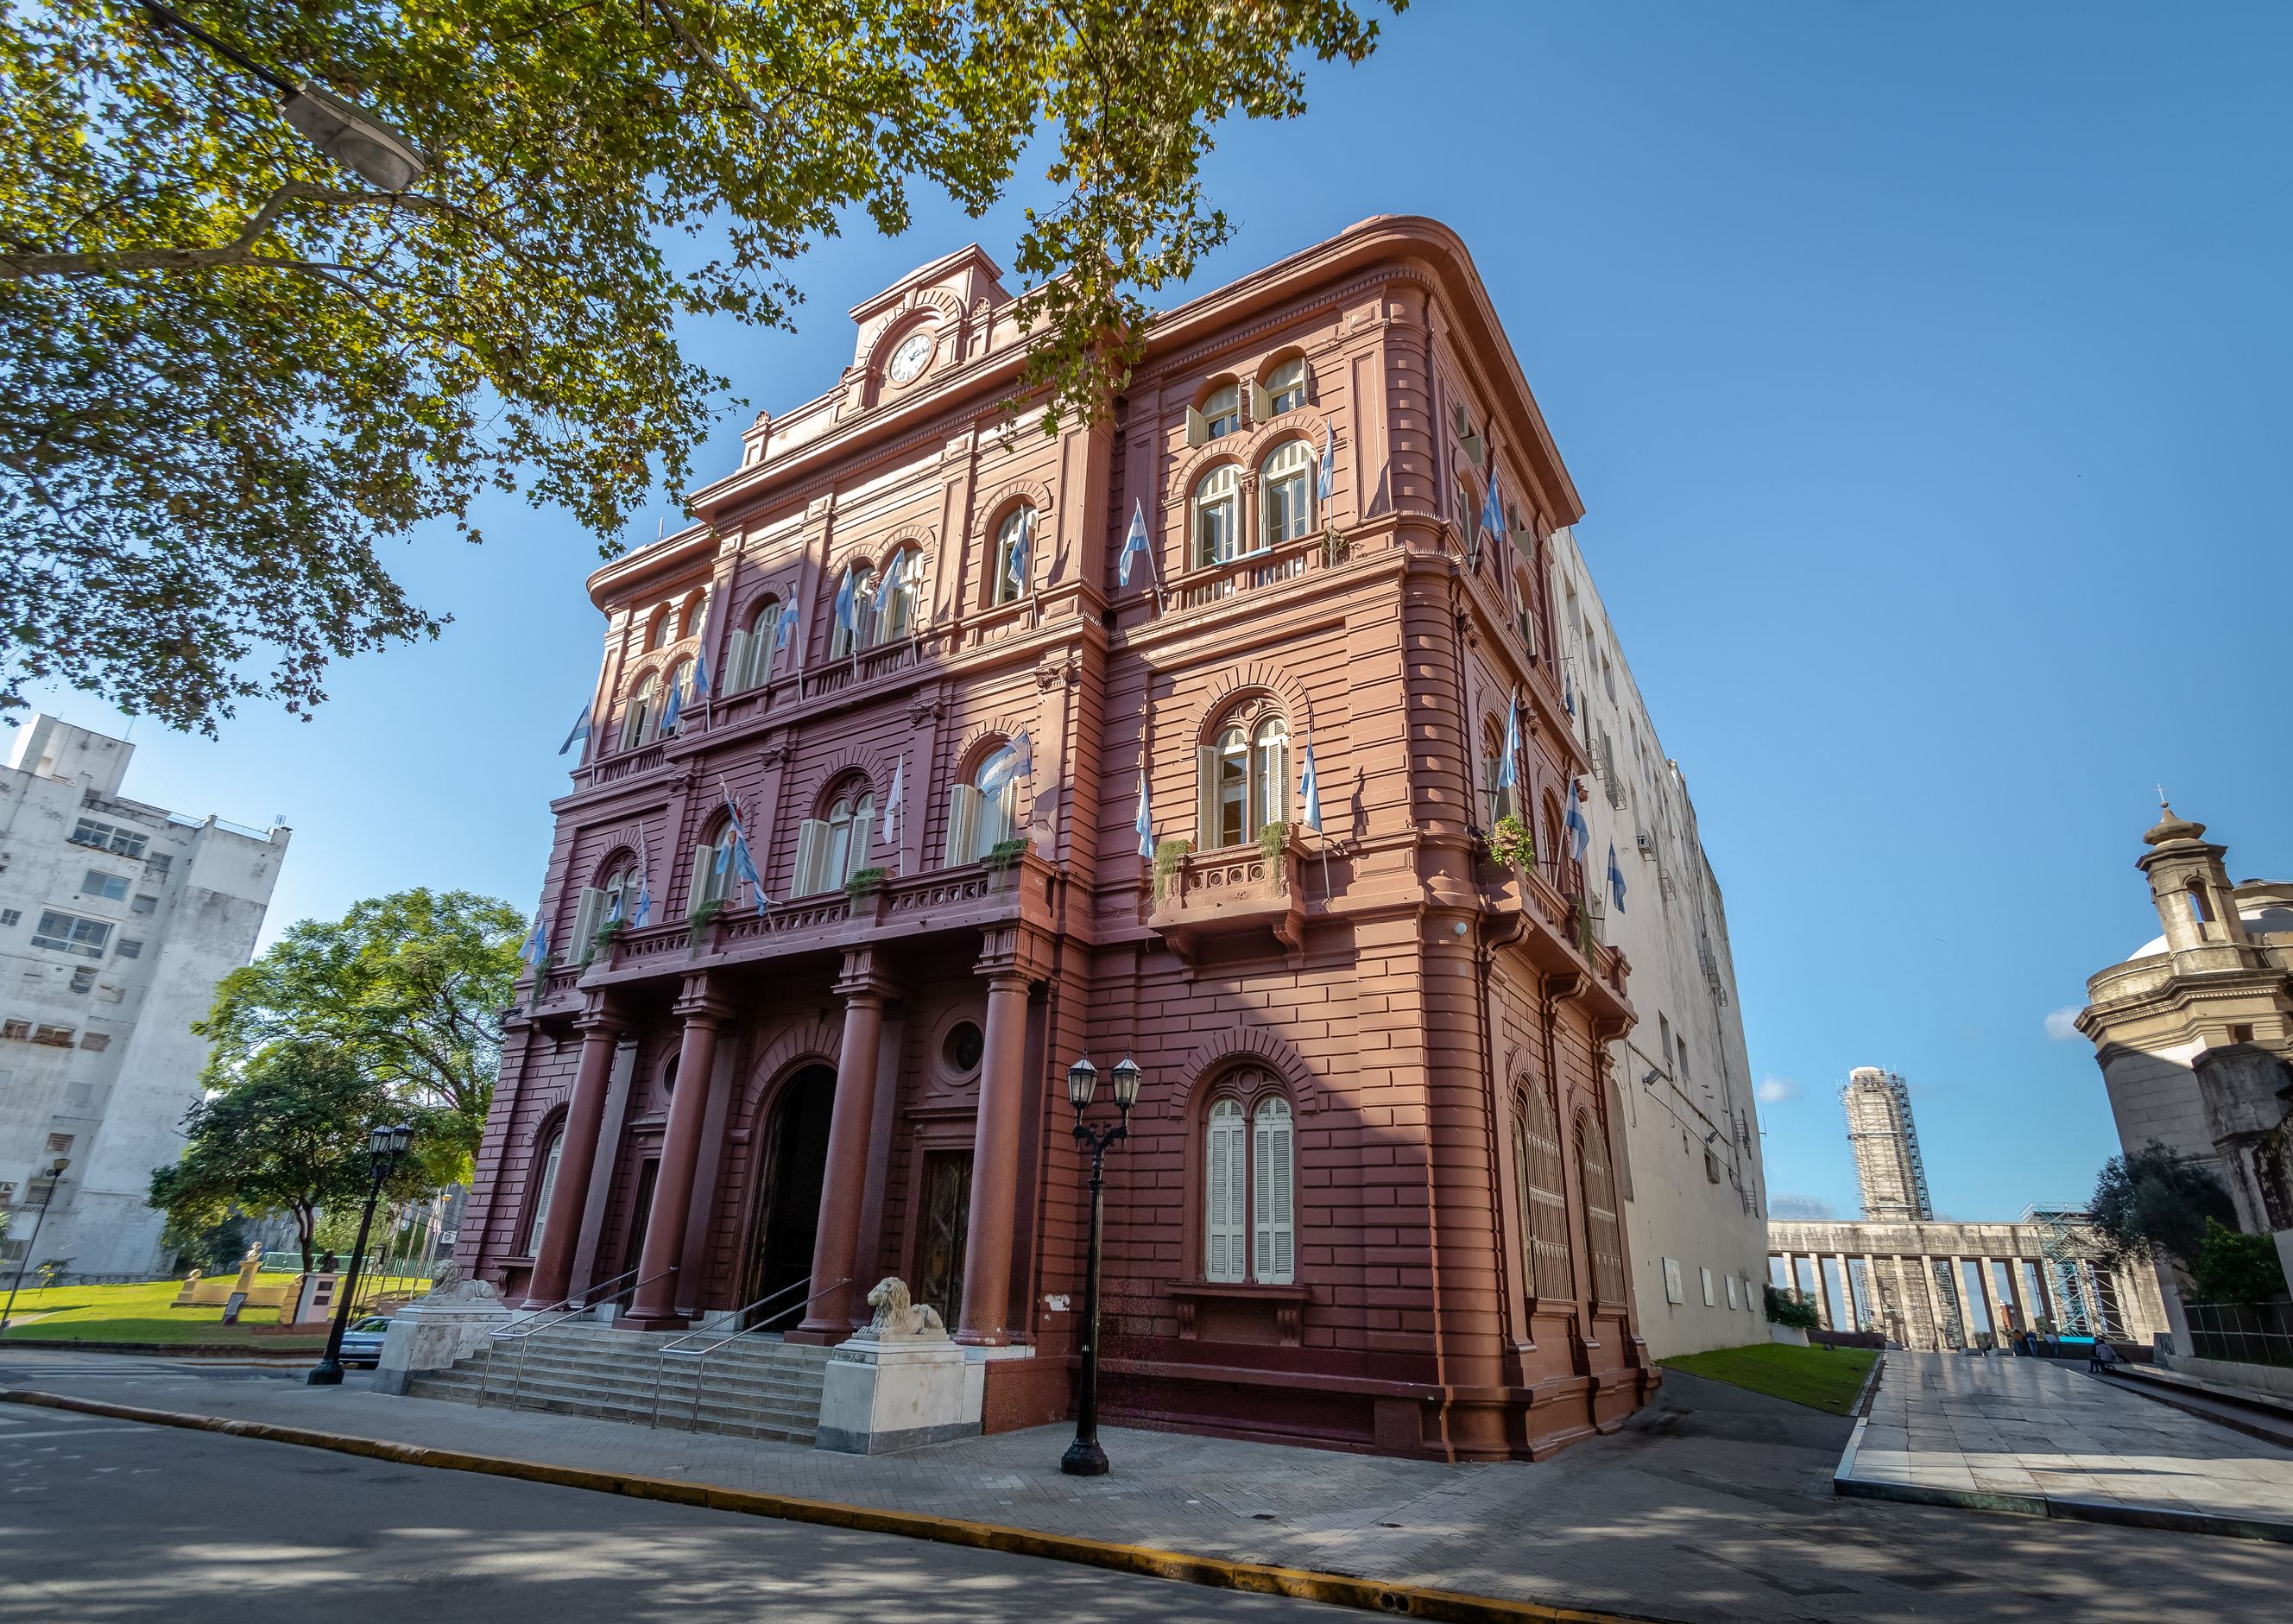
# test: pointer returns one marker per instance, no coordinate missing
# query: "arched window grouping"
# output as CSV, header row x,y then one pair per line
x,y
855,609
1286,385
545,1185
639,714
984,811
1243,782
1285,494
1250,1223
1540,1182
748,651
1217,515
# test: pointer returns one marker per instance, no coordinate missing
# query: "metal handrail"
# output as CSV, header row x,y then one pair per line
x,y
523,1337
700,1368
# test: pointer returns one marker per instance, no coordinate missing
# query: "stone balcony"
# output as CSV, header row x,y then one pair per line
x,y
970,897
1232,893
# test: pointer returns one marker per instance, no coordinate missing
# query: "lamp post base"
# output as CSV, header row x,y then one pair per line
x,y
1084,1458
328,1375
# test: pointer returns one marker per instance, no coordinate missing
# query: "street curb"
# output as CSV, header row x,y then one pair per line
x,y
1862,1405
1216,1572
159,1350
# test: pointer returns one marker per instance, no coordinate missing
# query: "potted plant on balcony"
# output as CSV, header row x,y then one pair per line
x,y
862,883
602,941
1512,845
1271,840
697,922
1003,856
1170,857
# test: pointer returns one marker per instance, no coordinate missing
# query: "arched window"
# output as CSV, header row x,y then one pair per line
x,y
1223,412
833,847
1014,555
1242,783
1543,1209
712,868
663,631
1250,1223
1603,1240
688,623
856,605
2200,915
748,651
1498,800
1285,494
1217,495
544,1187
1286,385
901,596
621,890
1524,612
677,687
985,812
1469,516
637,715
1555,857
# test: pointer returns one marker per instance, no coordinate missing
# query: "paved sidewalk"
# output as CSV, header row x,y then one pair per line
x,y
1715,1504
2028,1434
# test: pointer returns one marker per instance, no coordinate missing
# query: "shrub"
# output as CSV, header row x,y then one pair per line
x,y
1512,844
2233,1267
1169,857
1791,1309
861,881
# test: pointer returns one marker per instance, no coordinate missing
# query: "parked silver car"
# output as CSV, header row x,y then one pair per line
x,y
362,1340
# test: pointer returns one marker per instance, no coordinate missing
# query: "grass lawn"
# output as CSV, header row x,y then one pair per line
x,y
1826,1378
140,1313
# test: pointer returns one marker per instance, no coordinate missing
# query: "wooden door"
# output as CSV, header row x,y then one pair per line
x,y
946,1220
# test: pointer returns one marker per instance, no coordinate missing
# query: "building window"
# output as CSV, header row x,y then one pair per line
x,y
689,622
678,685
1524,612
54,1037
1217,534
1603,1240
11,916
157,865
1498,798
1545,1210
95,1043
1286,385
712,869
831,849
69,933
143,904
749,653
1223,412
1287,493
59,1144
856,598
636,717
901,596
1250,1186
111,887
663,629
19,1030
1243,782
984,812
128,947
108,836
1016,534
543,1189
1273,1195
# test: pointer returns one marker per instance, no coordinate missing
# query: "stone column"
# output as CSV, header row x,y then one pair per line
x,y
1855,1321
995,1159
655,1308
844,1182
560,1231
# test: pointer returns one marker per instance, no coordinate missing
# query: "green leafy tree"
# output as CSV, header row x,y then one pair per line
x,y
2150,1201
289,1136
2235,1267
234,370
412,986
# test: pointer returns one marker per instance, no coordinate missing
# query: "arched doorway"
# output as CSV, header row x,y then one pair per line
x,y
790,1173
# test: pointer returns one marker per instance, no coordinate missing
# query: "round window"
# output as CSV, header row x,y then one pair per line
x,y
964,1046
668,1075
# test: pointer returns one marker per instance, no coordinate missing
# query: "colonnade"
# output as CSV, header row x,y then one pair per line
x,y
1905,1300
664,1297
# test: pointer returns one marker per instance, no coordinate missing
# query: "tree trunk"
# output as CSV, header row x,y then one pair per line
x,y
306,1223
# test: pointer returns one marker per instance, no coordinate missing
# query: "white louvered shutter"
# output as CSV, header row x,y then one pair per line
x,y
1206,803
1261,403
1223,1168
1274,1228
811,856
704,877
963,803
585,914
737,662
1198,427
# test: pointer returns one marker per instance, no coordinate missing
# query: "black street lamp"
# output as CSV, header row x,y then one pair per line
x,y
352,136
1084,1457
55,1177
385,1146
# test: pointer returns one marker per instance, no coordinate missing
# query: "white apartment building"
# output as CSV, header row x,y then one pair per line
x,y
117,921
1696,1205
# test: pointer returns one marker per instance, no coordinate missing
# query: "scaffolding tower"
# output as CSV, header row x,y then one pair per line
x,y
1888,1165
2066,1242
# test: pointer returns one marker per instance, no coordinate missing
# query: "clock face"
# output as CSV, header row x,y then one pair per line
x,y
909,359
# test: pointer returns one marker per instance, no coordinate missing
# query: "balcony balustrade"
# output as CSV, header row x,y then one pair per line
x,y
1236,892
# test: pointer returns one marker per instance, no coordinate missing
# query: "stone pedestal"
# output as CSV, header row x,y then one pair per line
x,y
1790,1335
432,1332
882,1396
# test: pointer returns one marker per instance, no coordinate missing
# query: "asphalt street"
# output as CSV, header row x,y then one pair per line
x,y
104,1520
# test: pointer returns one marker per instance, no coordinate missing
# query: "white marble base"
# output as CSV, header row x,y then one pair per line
x,y
898,1394
431,1336
1791,1336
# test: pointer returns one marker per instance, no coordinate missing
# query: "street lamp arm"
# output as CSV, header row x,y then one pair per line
x,y
180,24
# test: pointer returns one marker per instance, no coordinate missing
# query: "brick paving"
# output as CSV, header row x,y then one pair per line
x,y
2027,1428
1714,1504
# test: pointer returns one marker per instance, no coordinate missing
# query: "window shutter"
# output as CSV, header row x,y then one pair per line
x,y
704,877
1222,1169
811,856
585,924
1261,404
1206,807
1198,427
1275,1228
737,662
962,825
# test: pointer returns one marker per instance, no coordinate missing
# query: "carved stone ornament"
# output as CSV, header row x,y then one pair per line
x,y
899,1319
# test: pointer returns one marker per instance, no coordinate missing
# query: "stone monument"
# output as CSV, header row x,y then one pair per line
x,y
452,1320
900,1382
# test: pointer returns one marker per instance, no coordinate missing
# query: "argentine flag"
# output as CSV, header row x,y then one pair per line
x,y
1616,879
1509,770
1329,480
1579,830
1145,822
1309,788
1134,545
1493,518
536,950
1014,760
581,731
1018,570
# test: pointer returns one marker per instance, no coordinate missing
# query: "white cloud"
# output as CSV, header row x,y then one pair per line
x,y
1814,1208
2061,1025
1775,1091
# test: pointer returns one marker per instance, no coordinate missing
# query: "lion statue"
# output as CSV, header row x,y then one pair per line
x,y
896,1317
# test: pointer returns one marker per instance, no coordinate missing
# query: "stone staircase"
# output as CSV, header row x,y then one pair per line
x,y
757,1387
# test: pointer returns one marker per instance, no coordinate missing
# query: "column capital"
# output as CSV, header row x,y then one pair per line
x,y
600,1014
701,1002
1013,951
864,976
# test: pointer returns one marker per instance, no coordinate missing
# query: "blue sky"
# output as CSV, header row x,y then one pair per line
x,y
1921,370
